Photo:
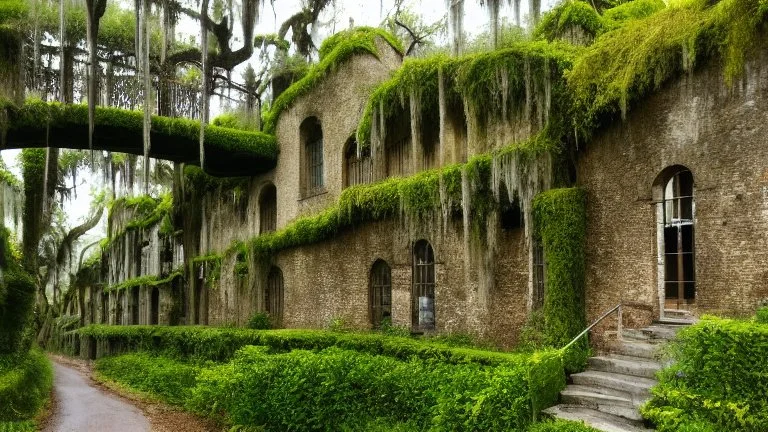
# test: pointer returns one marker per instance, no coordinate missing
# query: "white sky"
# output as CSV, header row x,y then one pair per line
x,y
363,12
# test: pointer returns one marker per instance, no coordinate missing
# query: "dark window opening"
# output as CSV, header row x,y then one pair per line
x,y
135,306
678,231
268,209
423,297
510,213
539,275
397,146
430,139
104,308
312,137
380,293
273,296
154,313
357,169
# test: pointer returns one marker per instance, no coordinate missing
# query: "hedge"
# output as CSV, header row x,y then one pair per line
x,y
165,378
339,389
220,344
561,426
719,379
25,383
560,225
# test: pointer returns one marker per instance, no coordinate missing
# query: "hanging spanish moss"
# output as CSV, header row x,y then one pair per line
x,y
147,79
96,10
456,25
204,99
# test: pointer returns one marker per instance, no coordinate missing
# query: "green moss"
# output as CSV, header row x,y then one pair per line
x,y
146,281
25,385
212,265
271,39
567,15
147,213
228,151
560,220
337,50
635,9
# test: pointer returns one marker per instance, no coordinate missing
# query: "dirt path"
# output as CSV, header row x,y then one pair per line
x,y
82,404
81,407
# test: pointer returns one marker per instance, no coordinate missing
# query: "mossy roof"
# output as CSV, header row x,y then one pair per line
x,y
228,152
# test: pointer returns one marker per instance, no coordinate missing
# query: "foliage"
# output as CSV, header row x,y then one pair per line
x,y
17,296
336,50
717,380
260,321
165,378
20,426
37,123
762,315
567,15
25,383
147,212
632,10
145,281
561,426
560,224
303,390
220,344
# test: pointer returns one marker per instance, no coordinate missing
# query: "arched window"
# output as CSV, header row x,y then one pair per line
x,y
675,213
423,296
380,297
312,160
357,170
268,209
273,296
154,313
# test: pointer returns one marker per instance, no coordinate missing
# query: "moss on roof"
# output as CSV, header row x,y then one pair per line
x,y
336,50
566,15
228,151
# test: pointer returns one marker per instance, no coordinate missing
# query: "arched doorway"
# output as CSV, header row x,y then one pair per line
x,y
675,214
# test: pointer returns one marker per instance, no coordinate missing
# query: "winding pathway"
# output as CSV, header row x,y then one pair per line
x,y
81,407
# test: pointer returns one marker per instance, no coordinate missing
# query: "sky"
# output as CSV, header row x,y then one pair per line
x,y
363,12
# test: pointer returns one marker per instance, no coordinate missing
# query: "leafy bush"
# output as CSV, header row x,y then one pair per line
x,y
762,315
25,383
561,426
304,390
21,426
718,380
260,321
164,378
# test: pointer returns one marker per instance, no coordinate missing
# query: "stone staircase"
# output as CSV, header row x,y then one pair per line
x,y
607,395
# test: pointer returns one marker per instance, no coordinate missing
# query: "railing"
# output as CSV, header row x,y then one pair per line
x,y
619,329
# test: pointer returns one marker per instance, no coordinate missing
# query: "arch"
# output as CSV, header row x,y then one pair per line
x,y
673,191
423,288
510,213
380,293
273,296
268,209
154,311
311,135
357,169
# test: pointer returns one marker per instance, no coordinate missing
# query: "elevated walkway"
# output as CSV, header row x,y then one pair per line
x,y
228,152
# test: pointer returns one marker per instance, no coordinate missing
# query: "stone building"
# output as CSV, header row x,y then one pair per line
x,y
675,217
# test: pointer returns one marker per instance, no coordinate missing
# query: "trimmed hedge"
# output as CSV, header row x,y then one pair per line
x,y
22,426
25,383
560,223
228,151
719,380
165,378
220,344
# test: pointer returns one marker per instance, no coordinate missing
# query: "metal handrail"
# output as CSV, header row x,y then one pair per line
x,y
597,321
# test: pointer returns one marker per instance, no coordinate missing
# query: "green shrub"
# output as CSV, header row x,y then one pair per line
x,y
164,378
25,383
260,321
718,380
561,426
21,426
762,315
303,390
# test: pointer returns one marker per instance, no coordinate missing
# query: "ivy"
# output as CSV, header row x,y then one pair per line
x,y
336,50
145,281
560,222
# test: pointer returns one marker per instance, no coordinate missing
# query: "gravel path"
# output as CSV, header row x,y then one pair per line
x,y
81,407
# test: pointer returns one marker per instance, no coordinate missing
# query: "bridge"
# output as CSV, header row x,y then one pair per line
x,y
228,152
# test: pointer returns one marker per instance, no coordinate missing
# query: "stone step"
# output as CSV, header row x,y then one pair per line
x,y
637,388
664,332
634,348
633,366
638,335
596,419
595,388
677,321
614,405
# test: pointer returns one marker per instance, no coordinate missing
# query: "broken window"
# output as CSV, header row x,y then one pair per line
x,y
273,296
381,293
268,209
312,138
357,170
678,236
423,303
